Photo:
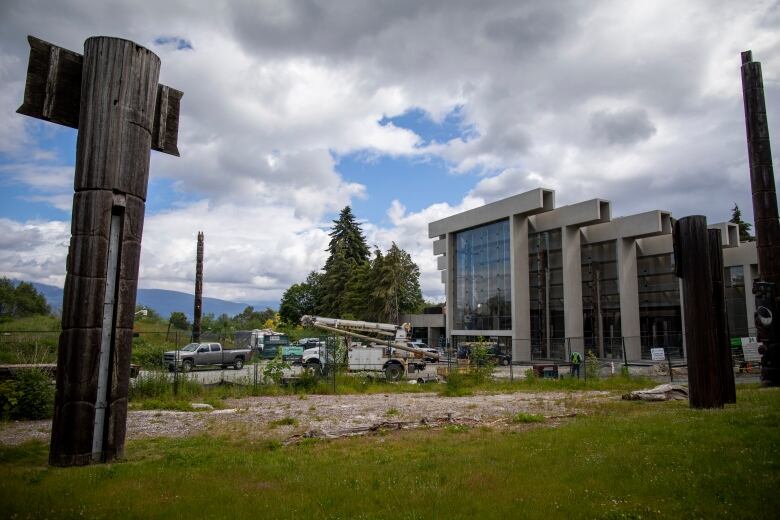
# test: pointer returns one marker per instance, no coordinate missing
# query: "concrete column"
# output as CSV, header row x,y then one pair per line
x,y
628,287
751,273
449,286
521,305
572,287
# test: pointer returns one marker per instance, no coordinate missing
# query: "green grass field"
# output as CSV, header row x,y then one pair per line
x,y
622,460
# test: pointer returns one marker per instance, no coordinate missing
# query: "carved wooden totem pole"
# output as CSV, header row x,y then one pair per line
x,y
762,182
112,96
198,290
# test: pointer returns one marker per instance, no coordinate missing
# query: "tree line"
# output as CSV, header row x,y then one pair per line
x,y
21,299
354,283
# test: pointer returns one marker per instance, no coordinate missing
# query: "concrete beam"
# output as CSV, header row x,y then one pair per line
x,y
584,213
729,233
528,203
641,225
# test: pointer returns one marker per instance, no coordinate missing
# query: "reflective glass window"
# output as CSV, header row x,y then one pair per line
x,y
482,278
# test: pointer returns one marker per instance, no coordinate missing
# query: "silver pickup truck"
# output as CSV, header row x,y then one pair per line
x,y
205,354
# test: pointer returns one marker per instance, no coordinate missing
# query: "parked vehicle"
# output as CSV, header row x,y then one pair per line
x,y
205,354
395,357
493,354
265,342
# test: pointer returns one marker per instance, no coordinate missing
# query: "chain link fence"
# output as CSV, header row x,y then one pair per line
x,y
334,365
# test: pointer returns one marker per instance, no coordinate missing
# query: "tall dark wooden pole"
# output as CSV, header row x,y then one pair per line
x,y
198,290
762,182
692,264
720,323
118,92
111,95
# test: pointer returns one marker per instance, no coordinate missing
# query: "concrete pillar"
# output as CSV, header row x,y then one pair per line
x,y
628,287
572,287
449,286
521,305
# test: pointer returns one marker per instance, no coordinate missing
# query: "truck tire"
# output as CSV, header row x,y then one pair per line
x,y
504,362
187,365
238,363
313,367
394,371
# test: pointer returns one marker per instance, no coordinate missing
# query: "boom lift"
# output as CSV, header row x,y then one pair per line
x,y
390,353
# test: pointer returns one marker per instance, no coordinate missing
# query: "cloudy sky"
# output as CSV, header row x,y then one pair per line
x,y
407,110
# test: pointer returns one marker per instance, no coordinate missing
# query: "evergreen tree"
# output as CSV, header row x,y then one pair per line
x,y
744,227
347,235
339,270
356,303
396,285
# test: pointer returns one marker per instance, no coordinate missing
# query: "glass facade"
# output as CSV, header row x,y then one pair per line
x,y
736,306
601,300
482,278
545,272
660,316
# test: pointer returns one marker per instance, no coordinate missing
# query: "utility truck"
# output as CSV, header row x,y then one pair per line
x,y
388,351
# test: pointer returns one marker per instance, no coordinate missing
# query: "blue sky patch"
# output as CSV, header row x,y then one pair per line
x,y
452,126
181,44
416,182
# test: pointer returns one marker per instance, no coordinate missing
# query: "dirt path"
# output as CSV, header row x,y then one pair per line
x,y
255,416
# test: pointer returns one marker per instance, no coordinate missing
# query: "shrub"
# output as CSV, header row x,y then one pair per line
x,y
274,369
523,417
286,421
591,365
29,396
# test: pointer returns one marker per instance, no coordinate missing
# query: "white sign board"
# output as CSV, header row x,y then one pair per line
x,y
750,349
657,354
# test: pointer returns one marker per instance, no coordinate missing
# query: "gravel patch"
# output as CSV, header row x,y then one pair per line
x,y
253,415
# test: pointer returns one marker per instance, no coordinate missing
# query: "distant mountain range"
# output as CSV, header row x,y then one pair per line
x,y
165,302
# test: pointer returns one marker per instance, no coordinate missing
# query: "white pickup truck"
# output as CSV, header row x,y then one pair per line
x,y
205,354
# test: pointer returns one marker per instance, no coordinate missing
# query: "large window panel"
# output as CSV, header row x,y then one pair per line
x,y
482,278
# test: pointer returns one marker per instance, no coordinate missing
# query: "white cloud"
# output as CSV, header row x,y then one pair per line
x,y
639,103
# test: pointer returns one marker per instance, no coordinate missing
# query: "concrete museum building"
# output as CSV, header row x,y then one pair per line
x,y
542,281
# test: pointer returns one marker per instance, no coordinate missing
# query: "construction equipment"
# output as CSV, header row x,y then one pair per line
x,y
389,351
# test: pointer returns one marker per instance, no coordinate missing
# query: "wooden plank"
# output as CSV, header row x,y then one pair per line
x,y
53,88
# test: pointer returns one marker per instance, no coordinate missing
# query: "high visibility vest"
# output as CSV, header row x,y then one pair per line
x,y
576,357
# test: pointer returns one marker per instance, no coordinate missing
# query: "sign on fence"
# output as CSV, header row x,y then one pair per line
x,y
657,354
750,350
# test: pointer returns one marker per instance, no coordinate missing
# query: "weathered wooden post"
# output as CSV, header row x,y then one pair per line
x,y
692,264
112,96
198,290
762,182
721,323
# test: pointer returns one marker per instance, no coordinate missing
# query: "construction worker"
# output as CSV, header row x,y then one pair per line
x,y
576,361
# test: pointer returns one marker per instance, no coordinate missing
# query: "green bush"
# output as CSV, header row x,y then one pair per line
x,y
591,365
29,396
148,355
160,385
